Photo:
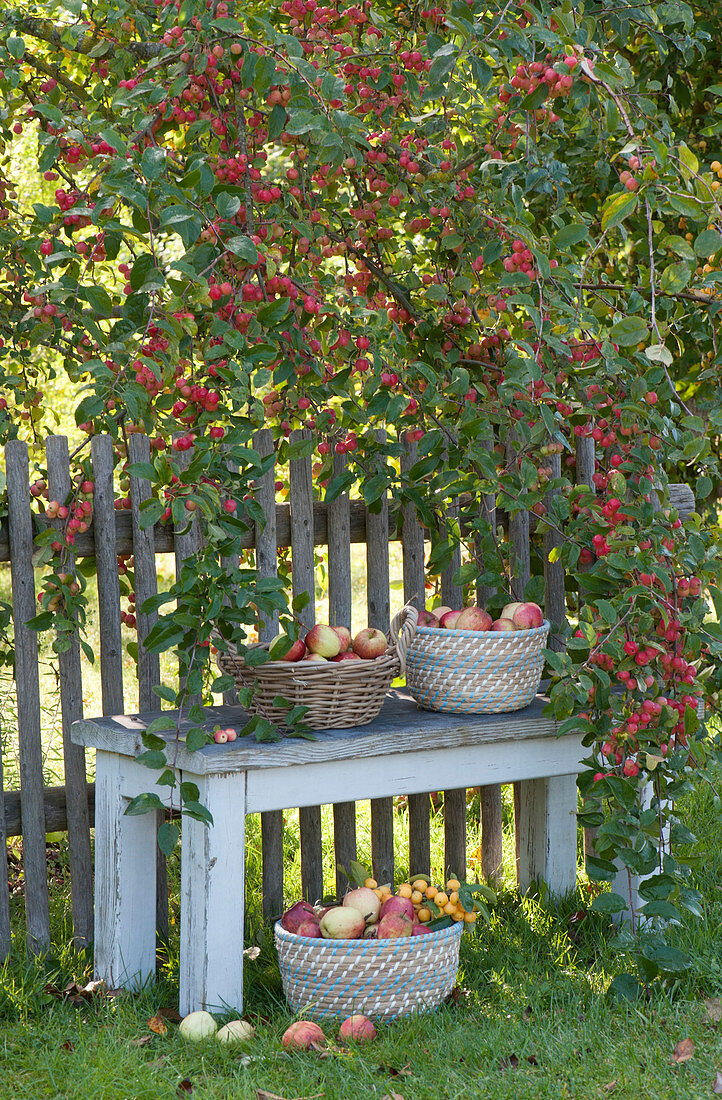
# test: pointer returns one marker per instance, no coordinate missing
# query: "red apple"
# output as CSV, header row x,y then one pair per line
x,y
393,926
350,656
370,643
323,640
439,611
313,657
344,637
427,618
507,612
421,930
297,915
302,1036
502,624
448,619
358,1028
396,904
527,616
295,653
473,618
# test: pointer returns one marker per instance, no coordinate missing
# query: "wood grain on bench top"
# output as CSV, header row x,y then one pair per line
x,y
400,727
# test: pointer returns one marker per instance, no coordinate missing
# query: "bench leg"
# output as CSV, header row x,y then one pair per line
x,y
212,897
547,830
124,876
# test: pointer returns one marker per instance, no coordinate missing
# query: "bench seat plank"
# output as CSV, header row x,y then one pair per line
x,y
400,727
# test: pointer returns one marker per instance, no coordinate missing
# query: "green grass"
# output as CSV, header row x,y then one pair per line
x,y
534,1016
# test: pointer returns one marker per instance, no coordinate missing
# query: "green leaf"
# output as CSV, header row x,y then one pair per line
x,y
168,837
658,353
571,234
244,247
197,739
198,811
675,278
609,903
143,804
690,164
150,512
617,208
153,758
152,162
708,242
628,331
15,47
625,987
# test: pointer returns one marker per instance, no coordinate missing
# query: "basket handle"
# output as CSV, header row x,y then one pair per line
x,y
403,628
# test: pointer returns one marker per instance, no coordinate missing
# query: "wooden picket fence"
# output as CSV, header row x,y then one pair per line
x,y
302,524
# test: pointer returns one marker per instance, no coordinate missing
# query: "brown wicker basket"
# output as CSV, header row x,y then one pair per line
x,y
339,695
381,978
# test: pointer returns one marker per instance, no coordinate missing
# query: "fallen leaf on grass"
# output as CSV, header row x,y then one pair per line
x,y
527,1013
683,1051
251,953
261,1094
717,1086
610,1087
67,1045
156,1024
74,993
171,1014
713,1009
392,1071
185,1087
512,1062
141,1041
392,1096
457,996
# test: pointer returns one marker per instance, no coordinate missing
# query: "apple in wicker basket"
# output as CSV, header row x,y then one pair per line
x,y
370,643
473,618
344,637
295,653
428,618
502,624
323,640
348,656
525,616
394,926
365,901
299,913
342,923
448,619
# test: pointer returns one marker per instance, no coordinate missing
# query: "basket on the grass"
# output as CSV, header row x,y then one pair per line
x,y
338,694
475,671
380,978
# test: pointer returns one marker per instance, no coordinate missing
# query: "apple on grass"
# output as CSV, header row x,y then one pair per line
x,y
323,640
370,643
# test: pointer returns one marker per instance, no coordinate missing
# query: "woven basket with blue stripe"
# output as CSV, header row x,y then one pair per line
x,y
475,671
379,978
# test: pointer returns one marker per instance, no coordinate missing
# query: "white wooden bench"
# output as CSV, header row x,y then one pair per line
x,y
404,751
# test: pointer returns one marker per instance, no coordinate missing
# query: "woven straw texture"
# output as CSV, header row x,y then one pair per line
x,y
473,671
380,978
339,695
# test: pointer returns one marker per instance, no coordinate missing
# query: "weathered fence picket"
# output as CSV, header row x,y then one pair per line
x,y
27,678
71,706
5,930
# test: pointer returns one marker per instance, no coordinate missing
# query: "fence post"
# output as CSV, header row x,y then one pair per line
x,y
301,494
267,566
71,704
37,904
